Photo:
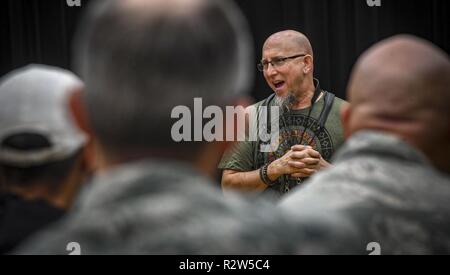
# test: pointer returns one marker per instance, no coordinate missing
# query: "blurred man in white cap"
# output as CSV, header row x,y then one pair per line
x,y
42,156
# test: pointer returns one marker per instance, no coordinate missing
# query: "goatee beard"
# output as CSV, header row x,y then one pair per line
x,y
285,103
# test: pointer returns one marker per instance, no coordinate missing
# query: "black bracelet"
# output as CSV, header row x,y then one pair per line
x,y
264,177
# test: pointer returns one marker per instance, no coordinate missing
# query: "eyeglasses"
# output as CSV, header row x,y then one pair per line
x,y
276,62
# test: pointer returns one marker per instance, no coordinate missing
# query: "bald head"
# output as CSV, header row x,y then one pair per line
x,y
291,39
155,8
402,72
401,85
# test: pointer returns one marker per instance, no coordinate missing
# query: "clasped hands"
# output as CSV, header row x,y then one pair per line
x,y
299,162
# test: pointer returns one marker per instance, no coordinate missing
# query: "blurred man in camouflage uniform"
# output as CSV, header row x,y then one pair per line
x,y
391,179
140,59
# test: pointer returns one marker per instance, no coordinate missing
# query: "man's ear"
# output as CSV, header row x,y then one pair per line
x,y
79,113
346,113
309,64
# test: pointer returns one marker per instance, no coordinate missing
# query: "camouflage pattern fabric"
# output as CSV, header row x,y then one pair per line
x,y
387,191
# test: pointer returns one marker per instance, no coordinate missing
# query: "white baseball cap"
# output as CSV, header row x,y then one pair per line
x,y
35,100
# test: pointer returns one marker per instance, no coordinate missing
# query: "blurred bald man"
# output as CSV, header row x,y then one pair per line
x,y
310,128
392,177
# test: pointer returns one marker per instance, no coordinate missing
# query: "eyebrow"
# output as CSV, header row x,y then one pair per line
x,y
275,57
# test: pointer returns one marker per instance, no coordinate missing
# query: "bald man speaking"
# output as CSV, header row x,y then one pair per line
x,y
310,130
391,179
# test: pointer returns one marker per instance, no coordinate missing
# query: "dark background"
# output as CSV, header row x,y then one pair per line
x,y
40,31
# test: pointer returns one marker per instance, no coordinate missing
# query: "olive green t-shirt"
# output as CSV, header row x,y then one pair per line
x,y
246,155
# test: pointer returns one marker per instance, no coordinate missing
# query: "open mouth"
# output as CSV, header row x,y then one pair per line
x,y
278,84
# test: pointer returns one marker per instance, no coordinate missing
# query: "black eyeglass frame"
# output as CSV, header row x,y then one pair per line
x,y
261,65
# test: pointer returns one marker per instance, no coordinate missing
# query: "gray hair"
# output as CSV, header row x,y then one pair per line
x,y
138,64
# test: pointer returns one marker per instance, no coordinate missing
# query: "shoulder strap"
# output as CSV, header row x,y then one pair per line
x,y
268,99
328,104
265,103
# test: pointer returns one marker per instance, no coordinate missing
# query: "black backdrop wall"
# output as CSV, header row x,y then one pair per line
x,y
40,31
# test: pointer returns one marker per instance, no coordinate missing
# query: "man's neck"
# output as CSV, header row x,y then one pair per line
x,y
200,162
39,191
60,195
304,95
